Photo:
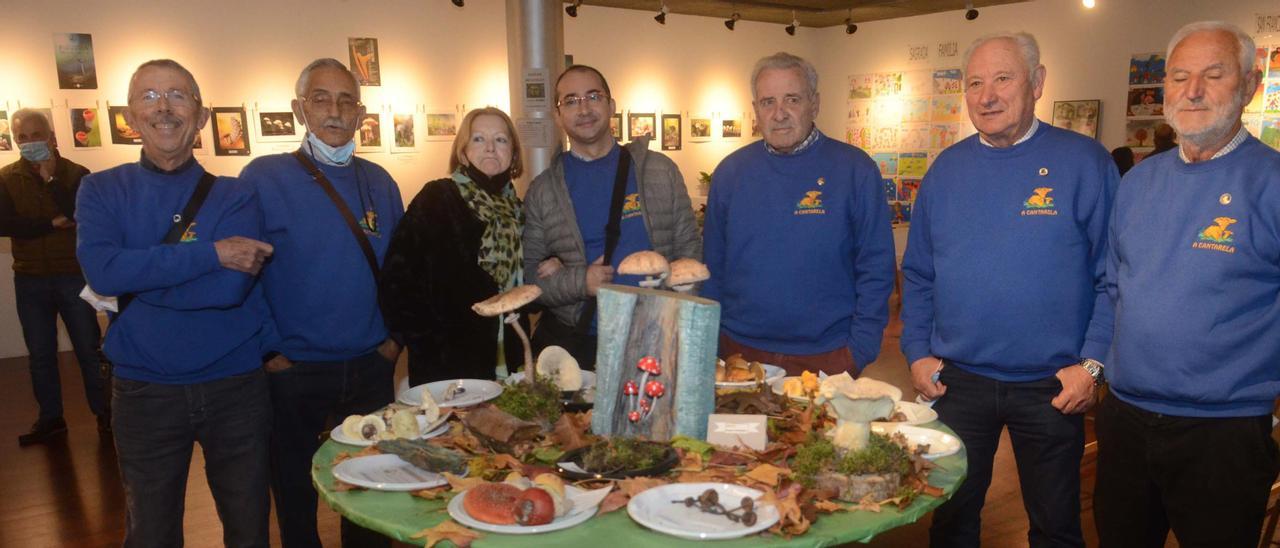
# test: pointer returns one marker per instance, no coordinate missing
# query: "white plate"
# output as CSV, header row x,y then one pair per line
x,y
941,444
386,473
776,386
588,379
916,413
428,430
771,373
585,504
653,509
476,391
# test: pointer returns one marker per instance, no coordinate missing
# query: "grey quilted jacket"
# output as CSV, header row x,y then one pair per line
x,y
551,228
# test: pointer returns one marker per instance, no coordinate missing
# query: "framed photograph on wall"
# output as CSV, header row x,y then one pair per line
x,y
85,130
671,132
1078,116
121,133
699,129
1148,101
369,133
731,128
615,126
278,126
640,123
442,126
6,134
364,61
403,133
73,54
229,135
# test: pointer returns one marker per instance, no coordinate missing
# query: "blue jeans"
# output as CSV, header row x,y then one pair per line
x,y
41,299
1047,446
309,399
156,426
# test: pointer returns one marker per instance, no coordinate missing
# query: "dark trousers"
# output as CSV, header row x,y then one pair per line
x,y
40,300
308,399
550,332
1047,445
155,428
1206,478
834,362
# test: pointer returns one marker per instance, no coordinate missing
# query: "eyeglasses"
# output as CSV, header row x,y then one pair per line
x,y
345,104
593,98
174,96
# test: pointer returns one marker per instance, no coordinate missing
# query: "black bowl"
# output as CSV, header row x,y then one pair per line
x,y
666,463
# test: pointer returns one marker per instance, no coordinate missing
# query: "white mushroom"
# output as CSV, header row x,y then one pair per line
x,y
508,302
650,264
855,403
557,363
686,272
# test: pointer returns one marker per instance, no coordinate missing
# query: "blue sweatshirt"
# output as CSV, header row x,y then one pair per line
x,y
800,250
322,294
192,320
590,186
1195,260
1004,272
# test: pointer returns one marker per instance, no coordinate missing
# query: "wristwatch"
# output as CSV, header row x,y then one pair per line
x,y
1094,367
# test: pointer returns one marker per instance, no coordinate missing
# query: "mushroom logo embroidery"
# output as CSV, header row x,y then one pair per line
x,y
631,207
1039,203
189,235
1217,237
811,204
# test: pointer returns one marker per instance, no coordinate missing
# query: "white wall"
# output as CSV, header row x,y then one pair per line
x,y
439,56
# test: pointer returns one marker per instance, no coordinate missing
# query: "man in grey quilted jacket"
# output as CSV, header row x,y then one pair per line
x,y
568,206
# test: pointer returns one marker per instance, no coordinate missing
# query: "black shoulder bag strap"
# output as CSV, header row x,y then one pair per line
x,y
181,223
343,209
612,230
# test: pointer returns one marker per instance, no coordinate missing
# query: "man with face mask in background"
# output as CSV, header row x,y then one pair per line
x,y
330,217
37,203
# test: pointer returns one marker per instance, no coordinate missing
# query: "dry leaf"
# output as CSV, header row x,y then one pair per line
x,y
691,461
615,500
767,474
435,493
792,520
342,486
634,486
868,504
501,461
729,458
829,506
450,531
715,475
341,456
570,431
458,485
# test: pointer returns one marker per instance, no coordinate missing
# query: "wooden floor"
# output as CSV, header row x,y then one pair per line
x,y
68,493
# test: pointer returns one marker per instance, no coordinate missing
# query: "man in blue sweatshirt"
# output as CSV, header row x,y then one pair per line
x,y
797,236
333,357
1194,264
188,337
1005,314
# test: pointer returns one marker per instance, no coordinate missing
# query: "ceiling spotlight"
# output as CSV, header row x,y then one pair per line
x,y
661,17
849,27
459,3
573,9
972,13
1089,4
791,29
732,21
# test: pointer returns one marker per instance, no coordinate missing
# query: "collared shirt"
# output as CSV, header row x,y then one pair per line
x,y
1235,142
1035,124
806,143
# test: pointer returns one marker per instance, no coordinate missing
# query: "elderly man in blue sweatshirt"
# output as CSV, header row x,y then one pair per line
x,y
797,236
187,340
1184,437
1005,316
333,357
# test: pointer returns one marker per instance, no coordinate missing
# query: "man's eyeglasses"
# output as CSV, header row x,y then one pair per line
x,y
174,96
593,98
345,104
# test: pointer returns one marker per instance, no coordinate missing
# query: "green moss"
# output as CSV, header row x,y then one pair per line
x,y
539,400
622,454
817,454
811,458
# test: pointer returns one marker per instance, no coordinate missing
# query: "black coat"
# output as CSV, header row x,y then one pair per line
x,y
429,281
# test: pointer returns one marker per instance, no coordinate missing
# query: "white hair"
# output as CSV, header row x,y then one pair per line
x,y
304,79
1244,42
786,61
1025,42
25,113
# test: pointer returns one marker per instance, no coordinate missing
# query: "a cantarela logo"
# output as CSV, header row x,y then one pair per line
x,y
1040,203
369,223
189,235
631,207
811,204
1217,237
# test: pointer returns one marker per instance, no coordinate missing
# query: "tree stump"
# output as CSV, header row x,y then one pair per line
x,y
679,331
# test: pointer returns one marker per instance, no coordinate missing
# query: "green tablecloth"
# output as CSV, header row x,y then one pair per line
x,y
400,515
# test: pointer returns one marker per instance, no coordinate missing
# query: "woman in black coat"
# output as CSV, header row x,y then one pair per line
x,y
458,244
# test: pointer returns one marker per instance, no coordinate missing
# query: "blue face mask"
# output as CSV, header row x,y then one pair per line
x,y
37,151
325,154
